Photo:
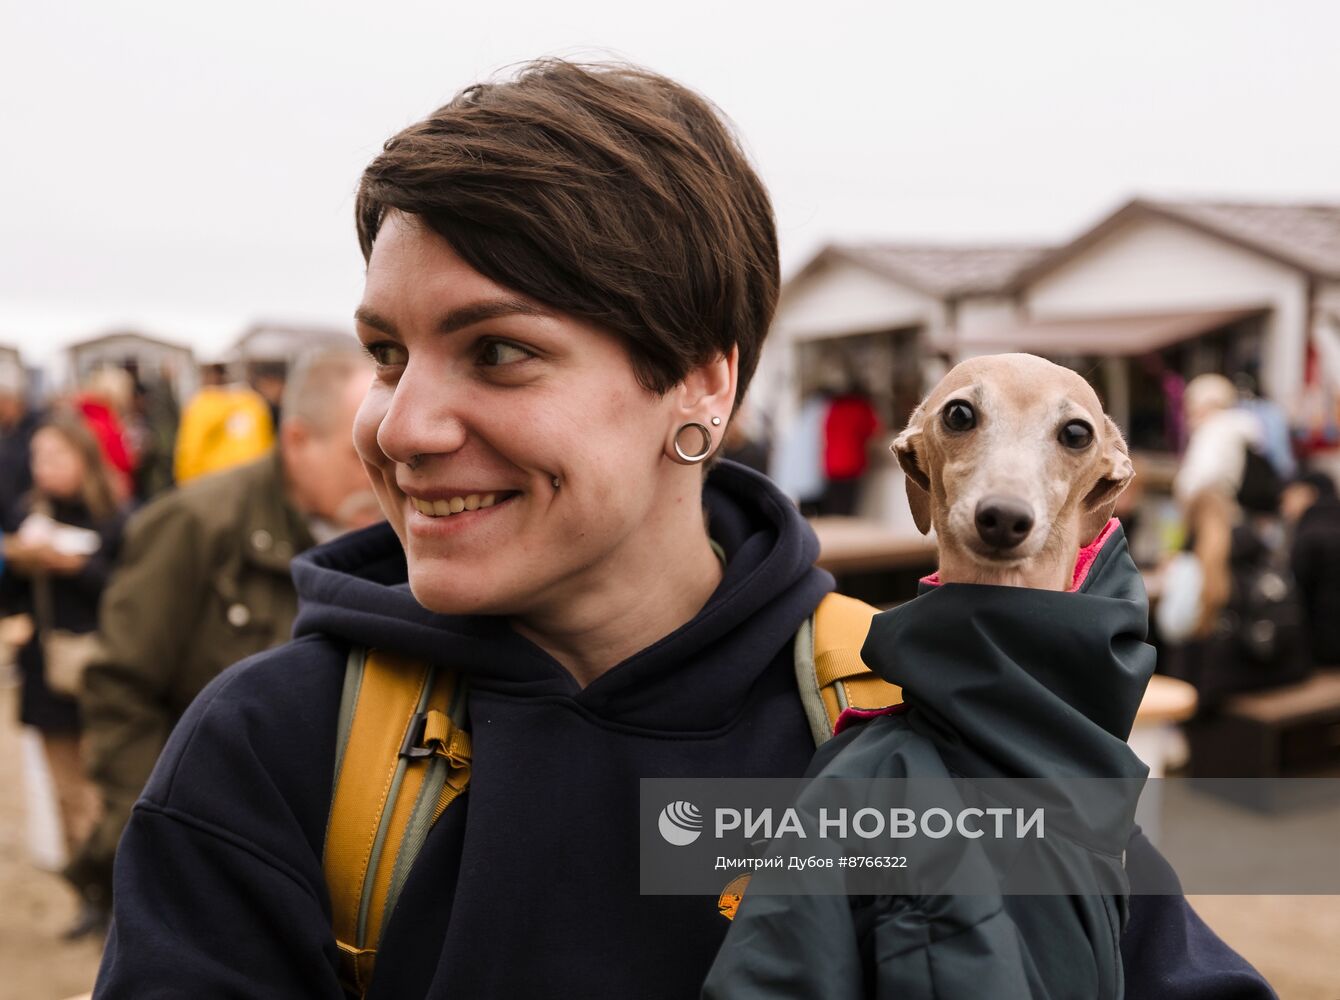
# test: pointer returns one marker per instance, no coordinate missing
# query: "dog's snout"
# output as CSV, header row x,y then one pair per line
x,y
1003,522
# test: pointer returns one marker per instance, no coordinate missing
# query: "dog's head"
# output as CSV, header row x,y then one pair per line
x,y
1011,455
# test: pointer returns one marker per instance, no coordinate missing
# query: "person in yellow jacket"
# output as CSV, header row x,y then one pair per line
x,y
223,426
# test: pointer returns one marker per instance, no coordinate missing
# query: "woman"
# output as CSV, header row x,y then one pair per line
x,y
570,275
60,544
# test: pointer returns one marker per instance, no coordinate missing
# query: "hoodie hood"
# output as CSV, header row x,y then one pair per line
x,y
355,589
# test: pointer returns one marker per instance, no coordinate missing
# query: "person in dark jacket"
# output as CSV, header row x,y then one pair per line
x,y
60,543
17,424
1313,506
551,385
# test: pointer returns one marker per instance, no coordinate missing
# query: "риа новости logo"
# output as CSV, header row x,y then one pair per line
x,y
681,823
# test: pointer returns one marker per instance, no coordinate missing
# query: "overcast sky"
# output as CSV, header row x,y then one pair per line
x,y
189,167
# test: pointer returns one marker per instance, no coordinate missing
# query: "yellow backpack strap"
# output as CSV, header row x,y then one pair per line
x,y
829,670
402,756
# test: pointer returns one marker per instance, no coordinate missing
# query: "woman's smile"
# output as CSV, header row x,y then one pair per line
x,y
456,504
438,514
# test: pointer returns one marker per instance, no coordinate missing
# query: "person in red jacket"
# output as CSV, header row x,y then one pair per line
x,y
101,401
848,428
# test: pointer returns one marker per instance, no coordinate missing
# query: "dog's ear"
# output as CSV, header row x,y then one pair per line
x,y
1114,475
905,447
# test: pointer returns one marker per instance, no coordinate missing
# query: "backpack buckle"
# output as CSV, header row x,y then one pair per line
x,y
414,747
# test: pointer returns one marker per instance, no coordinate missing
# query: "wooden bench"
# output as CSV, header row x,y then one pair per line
x,y
1289,732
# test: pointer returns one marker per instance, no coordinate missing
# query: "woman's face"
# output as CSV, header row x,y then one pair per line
x,y
58,468
483,396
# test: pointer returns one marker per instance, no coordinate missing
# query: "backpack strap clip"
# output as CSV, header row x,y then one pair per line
x,y
431,734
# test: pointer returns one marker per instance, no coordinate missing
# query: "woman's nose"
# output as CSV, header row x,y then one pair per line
x,y
420,418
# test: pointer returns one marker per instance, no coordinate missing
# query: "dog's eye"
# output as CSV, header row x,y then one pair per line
x,y
1076,435
959,416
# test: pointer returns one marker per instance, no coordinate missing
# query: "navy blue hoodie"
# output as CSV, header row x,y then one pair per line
x,y
528,885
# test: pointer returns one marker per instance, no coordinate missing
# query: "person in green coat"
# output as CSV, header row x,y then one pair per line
x,y
204,582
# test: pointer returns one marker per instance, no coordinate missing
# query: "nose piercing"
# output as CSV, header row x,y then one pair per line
x,y
555,482
414,461
716,421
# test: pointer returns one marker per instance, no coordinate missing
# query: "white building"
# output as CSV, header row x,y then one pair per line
x,y
157,358
1155,292
887,318
283,343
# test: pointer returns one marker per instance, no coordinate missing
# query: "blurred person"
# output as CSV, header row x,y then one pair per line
x,y
849,425
105,399
152,428
17,423
1221,468
204,582
223,425
1225,448
1231,613
267,378
1312,508
60,543
797,464
1276,436
551,389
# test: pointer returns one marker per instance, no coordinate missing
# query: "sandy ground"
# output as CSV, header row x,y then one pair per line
x,y
35,906
1293,940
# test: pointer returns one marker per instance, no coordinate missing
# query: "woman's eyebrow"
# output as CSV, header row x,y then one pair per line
x,y
459,319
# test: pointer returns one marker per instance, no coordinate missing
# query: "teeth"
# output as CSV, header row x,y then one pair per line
x,y
445,508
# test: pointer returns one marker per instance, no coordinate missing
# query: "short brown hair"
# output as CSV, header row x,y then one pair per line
x,y
605,191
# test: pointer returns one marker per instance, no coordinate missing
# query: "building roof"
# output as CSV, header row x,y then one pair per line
x,y
1107,336
284,341
1308,235
937,269
121,335
1304,236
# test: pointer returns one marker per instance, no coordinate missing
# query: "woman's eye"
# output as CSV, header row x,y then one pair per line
x,y
493,353
386,354
959,416
1076,435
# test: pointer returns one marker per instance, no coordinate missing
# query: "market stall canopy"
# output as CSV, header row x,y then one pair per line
x,y
1111,335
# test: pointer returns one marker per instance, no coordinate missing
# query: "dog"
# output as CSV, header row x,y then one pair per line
x,y
1013,462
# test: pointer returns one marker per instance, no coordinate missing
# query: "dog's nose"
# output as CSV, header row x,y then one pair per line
x,y
1003,522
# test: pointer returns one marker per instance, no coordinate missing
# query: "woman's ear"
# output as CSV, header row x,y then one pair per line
x,y
708,390
905,447
705,396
